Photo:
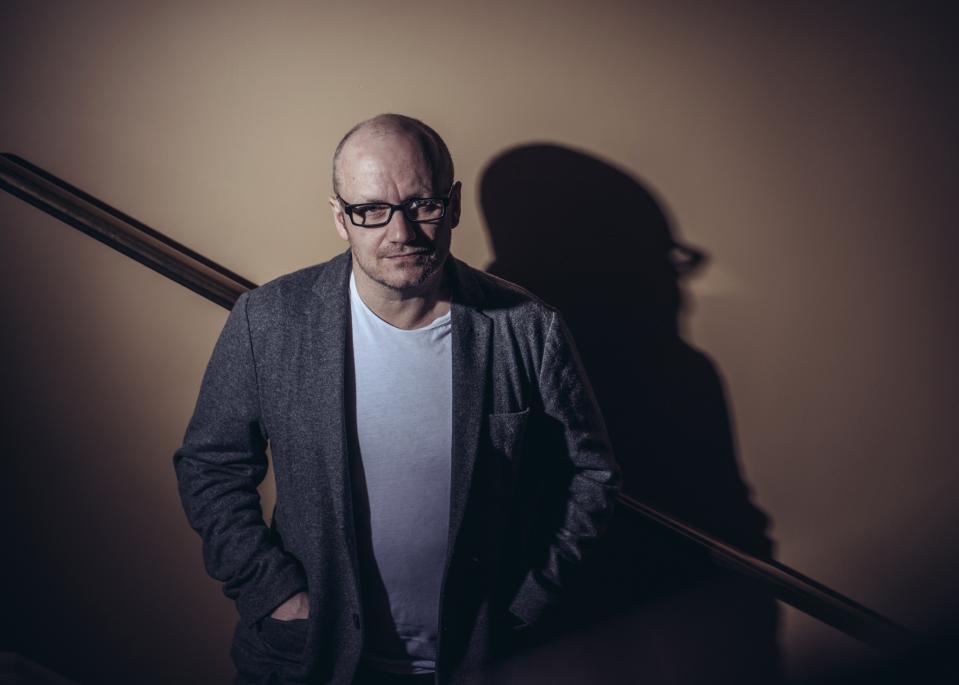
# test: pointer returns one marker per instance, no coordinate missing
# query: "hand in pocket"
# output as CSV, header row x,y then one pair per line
x,y
286,637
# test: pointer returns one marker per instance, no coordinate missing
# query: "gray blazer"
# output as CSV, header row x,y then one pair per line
x,y
533,476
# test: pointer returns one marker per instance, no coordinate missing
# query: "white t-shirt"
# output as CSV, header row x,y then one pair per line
x,y
400,414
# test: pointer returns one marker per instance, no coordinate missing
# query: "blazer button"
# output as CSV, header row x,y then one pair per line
x,y
356,621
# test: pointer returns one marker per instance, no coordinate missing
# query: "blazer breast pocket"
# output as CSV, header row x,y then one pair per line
x,y
507,433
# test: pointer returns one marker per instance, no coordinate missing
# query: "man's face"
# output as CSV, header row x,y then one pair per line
x,y
403,255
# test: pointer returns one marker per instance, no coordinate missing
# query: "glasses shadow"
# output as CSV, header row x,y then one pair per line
x,y
594,242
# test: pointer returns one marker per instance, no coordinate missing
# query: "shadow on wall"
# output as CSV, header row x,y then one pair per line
x,y
593,242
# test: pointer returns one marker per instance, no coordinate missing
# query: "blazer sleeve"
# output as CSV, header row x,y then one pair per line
x,y
218,468
569,404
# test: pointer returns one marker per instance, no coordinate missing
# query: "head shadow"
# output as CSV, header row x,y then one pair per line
x,y
593,241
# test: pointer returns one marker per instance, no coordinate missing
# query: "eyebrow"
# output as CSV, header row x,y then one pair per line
x,y
364,201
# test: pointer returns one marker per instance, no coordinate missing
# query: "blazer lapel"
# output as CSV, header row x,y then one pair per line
x,y
471,340
324,389
323,383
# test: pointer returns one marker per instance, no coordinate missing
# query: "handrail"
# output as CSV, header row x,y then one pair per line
x,y
203,276
120,231
788,585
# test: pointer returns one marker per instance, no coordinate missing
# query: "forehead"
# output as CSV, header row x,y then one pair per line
x,y
375,166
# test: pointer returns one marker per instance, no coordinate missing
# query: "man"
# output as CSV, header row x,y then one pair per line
x,y
440,462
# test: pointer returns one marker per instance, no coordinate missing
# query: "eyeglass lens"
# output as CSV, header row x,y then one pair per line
x,y
415,210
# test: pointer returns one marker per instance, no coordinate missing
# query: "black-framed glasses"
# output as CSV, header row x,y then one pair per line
x,y
420,210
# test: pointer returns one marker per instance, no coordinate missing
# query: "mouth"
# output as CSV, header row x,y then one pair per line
x,y
407,255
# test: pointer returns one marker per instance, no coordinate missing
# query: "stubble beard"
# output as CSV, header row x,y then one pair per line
x,y
407,279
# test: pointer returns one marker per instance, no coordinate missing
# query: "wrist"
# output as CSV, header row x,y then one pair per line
x,y
295,606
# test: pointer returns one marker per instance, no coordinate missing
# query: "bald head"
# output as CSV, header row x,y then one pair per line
x,y
386,129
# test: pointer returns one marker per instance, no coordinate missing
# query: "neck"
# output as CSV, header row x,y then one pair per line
x,y
406,309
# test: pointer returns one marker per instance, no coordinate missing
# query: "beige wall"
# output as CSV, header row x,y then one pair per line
x,y
809,152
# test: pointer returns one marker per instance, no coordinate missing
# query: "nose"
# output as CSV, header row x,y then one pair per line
x,y
400,229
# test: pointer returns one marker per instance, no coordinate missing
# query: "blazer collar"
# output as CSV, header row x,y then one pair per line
x,y
332,282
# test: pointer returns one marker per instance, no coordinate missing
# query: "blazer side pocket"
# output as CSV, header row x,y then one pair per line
x,y
284,639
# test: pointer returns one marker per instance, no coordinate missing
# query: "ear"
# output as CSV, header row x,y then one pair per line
x,y
339,218
455,205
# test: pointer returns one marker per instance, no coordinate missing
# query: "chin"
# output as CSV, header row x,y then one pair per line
x,y
407,278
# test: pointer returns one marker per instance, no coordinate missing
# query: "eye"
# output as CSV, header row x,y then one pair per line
x,y
425,209
371,212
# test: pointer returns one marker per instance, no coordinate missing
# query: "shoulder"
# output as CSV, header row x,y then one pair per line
x,y
508,304
299,287
492,293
